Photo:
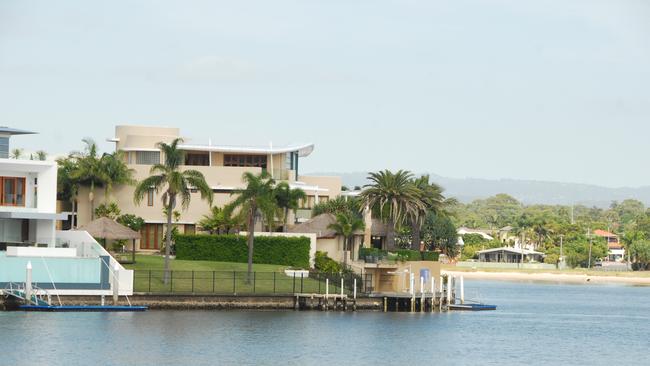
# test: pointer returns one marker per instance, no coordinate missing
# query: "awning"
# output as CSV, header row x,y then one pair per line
x,y
33,215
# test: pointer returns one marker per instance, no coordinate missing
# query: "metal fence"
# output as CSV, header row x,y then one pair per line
x,y
237,282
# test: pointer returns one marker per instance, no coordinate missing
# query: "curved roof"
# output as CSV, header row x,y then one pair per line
x,y
302,149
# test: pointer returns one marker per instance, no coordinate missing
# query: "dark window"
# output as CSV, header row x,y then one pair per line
x,y
150,197
258,161
197,159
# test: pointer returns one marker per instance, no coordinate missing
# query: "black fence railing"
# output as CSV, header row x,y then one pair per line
x,y
237,282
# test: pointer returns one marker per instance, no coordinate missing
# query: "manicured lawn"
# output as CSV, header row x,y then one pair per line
x,y
156,262
223,278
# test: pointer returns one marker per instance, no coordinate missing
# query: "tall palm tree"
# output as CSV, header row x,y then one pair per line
x,y
116,172
256,196
432,200
176,183
346,226
286,199
90,171
67,184
394,197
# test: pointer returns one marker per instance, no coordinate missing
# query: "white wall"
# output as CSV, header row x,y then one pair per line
x,y
81,240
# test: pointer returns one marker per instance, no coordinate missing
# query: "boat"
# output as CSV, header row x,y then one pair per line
x,y
472,307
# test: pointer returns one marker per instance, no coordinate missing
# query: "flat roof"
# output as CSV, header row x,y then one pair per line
x,y
4,130
511,250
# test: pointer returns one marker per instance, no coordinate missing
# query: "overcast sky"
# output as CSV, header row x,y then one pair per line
x,y
547,90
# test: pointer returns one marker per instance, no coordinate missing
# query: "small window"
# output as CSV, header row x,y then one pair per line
x,y
150,197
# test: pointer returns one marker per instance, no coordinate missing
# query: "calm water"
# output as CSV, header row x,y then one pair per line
x,y
535,324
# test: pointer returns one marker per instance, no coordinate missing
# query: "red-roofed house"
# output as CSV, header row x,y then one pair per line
x,y
616,251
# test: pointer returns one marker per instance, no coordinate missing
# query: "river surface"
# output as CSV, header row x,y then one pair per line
x,y
535,324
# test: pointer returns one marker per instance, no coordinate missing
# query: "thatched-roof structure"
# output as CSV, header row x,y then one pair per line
x,y
108,229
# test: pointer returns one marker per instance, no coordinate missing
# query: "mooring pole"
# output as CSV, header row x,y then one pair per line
x,y
422,298
28,283
449,281
433,293
341,287
327,292
355,289
116,284
462,290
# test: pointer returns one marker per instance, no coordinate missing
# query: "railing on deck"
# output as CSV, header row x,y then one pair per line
x,y
239,283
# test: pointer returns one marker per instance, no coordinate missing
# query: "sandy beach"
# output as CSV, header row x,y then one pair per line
x,y
575,278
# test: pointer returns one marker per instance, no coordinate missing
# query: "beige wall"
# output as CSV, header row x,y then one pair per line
x,y
333,184
144,137
333,247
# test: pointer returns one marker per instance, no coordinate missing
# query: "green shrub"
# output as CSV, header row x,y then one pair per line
x,y
430,256
552,258
280,250
324,263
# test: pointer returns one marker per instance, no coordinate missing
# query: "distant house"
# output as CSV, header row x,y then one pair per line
x,y
509,255
484,233
326,239
615,250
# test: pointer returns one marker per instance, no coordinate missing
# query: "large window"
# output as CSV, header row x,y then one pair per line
x,y
13,191
258,161
147,157
197,159
151,236
4,147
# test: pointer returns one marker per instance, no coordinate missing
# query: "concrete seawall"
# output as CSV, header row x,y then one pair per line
x,y
208,302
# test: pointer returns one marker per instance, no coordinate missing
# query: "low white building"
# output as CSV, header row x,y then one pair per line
x,y
63,262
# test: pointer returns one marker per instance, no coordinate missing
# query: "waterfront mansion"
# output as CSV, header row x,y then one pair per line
x,y
222,166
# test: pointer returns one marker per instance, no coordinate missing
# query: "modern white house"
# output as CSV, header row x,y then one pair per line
x,y
63,262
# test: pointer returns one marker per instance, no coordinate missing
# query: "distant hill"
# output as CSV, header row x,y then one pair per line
x,y
526,191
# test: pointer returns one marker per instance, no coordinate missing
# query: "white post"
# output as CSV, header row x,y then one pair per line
x,y
442,284
355,289
116,284
327,287
462,290
341,287
433,293
449,277
412,283
422,299
28,283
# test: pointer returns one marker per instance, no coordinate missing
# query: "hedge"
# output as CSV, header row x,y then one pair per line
x,y
288,251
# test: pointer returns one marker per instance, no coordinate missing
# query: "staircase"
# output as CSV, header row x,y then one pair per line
x,y
17,291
